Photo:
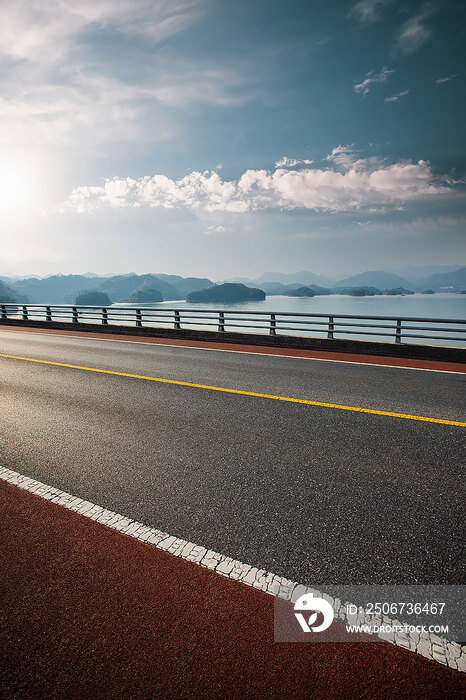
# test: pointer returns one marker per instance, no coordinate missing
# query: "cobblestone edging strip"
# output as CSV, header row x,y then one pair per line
x,y
426,644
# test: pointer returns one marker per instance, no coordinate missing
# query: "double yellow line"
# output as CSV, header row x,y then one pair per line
x,y
357,409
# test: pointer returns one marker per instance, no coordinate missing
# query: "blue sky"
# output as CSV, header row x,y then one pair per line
x,y
219,138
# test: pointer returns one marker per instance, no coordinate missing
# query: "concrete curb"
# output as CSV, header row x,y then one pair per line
x,y
426,644
421,352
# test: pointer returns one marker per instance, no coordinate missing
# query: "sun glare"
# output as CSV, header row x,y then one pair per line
x,y
15,188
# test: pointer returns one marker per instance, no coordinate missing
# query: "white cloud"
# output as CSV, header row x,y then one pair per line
x,y
210,230
181,84
54,91
368,11
446,79
354,184
346,158
373,78
343,156
396,96
414,32
286,162
101,108
44,30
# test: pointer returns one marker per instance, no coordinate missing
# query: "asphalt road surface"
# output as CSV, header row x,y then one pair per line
x,y
320,495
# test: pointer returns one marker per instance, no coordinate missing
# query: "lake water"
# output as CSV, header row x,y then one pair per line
x,y
440,306
416,305
435,306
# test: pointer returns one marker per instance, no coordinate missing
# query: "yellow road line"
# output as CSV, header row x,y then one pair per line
x,y
242,393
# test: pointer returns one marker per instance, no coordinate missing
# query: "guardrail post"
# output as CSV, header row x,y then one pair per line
x,y
48,313
221,321
104,317
75,315
25,313
398,332
273,325
177,320
138,317
331,328
4,312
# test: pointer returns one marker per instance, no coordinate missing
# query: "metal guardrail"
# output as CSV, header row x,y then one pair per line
x,y
398,328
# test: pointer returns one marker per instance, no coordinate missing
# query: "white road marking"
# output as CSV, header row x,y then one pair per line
x,y
432,647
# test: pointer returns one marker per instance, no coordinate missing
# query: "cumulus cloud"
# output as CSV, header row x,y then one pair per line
x,y
396,96
286,162
446,79
372,78
349,184
414,32
368,11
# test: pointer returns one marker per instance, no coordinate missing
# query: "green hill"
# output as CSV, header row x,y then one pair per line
x,y
397,291
185,285
52,289
228,292
362,291
446,282
120,287
62,289
9,295
92,297
377,278
301,292
145,296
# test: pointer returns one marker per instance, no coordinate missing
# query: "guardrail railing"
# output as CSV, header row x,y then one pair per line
x,y
398,329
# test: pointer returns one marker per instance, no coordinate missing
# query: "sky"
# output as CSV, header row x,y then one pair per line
x,y
218,138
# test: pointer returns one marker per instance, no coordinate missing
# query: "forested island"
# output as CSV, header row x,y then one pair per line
x,y
301,292
364,291
228,293
92,297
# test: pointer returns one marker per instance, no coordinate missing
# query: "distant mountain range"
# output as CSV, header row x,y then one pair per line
x,y
417,272
446,282
63,289
298,278
59,289
447,278
453,281
378,278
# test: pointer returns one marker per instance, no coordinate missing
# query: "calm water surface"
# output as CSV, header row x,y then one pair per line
x,y
435,306
440,306
417,305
